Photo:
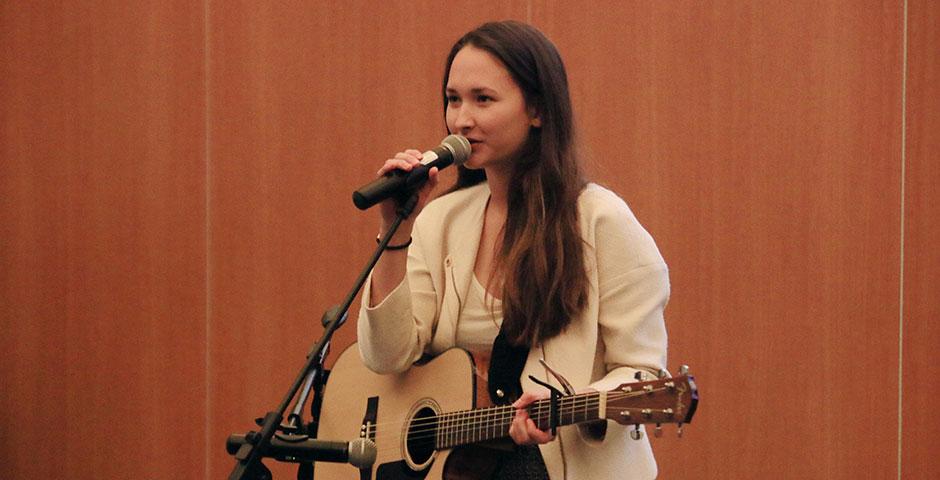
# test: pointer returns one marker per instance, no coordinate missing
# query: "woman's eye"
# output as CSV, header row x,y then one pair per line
x,y
453,99
484,98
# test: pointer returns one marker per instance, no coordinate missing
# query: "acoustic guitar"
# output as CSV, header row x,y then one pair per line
x,y
422,419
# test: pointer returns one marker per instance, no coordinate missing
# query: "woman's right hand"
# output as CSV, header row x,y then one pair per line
x,y
405,161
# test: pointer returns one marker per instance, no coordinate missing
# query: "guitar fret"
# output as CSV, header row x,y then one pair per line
x,y
462,428
469,426
439,435
455,429
454,432
487,422
450,430
445,430
493,423
442,431
472,425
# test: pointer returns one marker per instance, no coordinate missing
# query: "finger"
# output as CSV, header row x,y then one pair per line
x,y
409,157
395,164
518,433
524,400
432,179
416,153
535,434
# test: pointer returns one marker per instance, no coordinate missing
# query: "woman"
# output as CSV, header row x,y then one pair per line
x,y
522,247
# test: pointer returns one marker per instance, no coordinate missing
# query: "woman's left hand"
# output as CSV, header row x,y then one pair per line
x,y
522,429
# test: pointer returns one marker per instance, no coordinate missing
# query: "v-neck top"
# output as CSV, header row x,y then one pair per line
x,y
479,320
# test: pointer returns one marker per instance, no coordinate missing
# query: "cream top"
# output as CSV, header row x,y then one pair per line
x,y
480,320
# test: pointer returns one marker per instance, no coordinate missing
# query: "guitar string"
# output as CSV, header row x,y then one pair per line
x,y
579,402
462,436
465,425
485,413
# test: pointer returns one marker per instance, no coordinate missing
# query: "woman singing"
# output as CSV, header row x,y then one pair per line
x,y
522,248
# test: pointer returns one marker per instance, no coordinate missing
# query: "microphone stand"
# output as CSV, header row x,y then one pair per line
x,y
258,444
316,380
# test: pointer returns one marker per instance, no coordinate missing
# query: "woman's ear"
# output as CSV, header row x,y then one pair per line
x,y
535,120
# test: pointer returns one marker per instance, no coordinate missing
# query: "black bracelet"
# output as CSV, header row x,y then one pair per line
x,y
403,246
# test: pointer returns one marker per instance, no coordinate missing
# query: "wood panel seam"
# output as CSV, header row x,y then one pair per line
x,y
207,405
901,247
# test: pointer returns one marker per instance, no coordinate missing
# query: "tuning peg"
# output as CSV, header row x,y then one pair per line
x,y
658,432
679,430
636,434
663,373
684,370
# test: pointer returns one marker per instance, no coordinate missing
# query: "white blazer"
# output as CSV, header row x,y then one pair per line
x,y
620,332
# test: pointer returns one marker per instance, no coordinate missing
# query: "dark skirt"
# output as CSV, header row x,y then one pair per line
x,y
508,462
525,463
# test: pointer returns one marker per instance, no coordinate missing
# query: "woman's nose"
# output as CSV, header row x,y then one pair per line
x,y
464,120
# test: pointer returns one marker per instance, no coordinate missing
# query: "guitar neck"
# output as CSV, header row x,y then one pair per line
x,y
472,426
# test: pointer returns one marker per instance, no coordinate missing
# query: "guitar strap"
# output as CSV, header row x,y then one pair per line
x,y
506,365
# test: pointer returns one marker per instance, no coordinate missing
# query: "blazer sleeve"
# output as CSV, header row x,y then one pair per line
x,y
633,290
393,334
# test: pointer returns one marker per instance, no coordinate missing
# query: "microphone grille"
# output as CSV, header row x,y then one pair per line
x,y
459,146
362,453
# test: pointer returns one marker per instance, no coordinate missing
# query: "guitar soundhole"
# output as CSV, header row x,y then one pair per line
x,y
422,432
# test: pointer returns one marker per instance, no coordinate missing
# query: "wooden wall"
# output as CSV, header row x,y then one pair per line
x,y
103,307
175,214
921,309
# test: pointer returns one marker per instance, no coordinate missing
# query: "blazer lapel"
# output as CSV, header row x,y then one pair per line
x,y
462,243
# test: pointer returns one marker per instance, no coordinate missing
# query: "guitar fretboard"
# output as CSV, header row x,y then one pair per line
x,y
471,426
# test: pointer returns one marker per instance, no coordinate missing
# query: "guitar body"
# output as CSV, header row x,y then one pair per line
x,y
426,423
445,384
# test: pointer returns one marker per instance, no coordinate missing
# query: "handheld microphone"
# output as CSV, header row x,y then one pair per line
x,y
359,453
455,149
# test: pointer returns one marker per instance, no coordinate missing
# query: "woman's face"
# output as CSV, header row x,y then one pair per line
x,y
485,105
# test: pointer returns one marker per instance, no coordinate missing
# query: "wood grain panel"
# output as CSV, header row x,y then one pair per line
x,y
921,395
759,143
306,102
102,258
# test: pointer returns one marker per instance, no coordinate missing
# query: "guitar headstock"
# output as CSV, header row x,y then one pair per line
x,y
664,400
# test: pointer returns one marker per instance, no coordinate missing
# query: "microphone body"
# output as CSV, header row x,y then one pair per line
x,y
453,149
359,453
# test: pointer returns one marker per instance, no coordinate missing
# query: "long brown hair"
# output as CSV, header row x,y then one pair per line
x,y
541,257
